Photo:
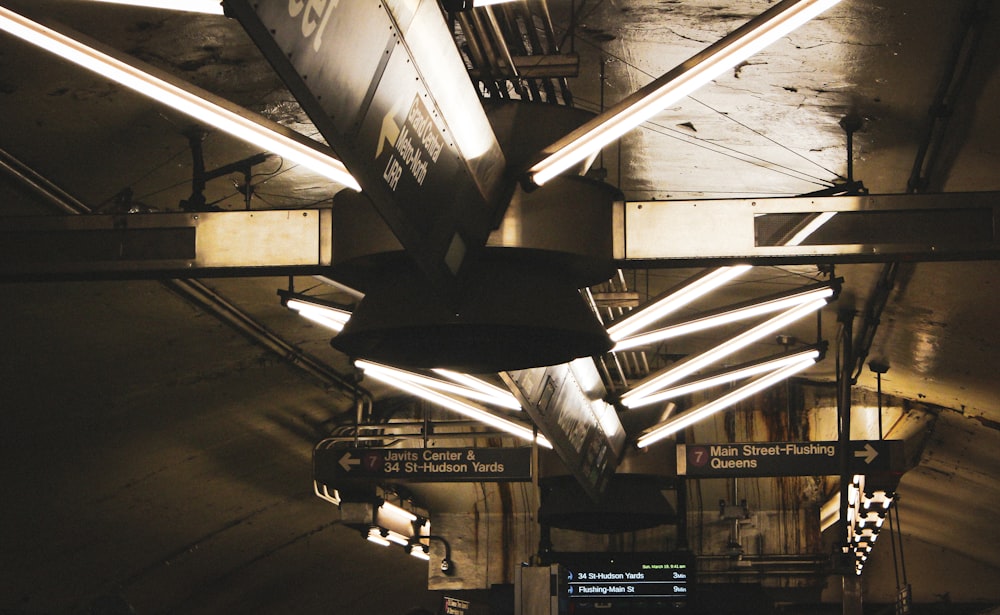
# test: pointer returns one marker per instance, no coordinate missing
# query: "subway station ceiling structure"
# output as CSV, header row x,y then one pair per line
x,y
158,427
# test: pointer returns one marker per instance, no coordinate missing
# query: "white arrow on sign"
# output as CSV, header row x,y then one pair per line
x,y
347,462
869,453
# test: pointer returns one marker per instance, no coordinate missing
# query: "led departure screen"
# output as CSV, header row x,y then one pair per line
x,y
625,583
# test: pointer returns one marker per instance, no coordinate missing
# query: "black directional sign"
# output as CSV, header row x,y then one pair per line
x,y
389,92
423,464
787,458
628,582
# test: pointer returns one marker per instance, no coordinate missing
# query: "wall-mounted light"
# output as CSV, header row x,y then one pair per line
x,y
699,413
390,376
734,48
420,549
375,535
184,97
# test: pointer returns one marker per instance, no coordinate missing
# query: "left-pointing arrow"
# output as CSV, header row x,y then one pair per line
x,y
347,462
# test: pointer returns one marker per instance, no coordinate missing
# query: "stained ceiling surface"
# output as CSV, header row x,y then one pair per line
x,y
157,434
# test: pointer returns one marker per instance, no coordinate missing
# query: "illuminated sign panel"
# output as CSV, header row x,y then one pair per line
x,y
626,582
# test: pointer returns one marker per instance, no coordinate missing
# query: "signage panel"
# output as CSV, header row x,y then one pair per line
x,y
422,464
786,458
567,404
628,582
388,90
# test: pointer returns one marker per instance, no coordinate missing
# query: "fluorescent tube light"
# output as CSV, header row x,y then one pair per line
x,y
183,97
748,371
375,535
418,551
737,46
212,7
672,426
643,317
388,376
691,365
390,509
496,395
329,317
765,307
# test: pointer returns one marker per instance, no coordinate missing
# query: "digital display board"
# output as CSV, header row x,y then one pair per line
x,y
625,582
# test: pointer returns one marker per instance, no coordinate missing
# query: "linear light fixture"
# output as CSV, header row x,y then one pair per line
x,y
375,535
212,7
685,368
452,388
746,371
773,304
183,97
673,425
492,394
641,318
326,316
388,375
737,46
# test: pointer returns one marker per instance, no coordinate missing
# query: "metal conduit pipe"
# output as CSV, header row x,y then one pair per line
x,y
200,294
195,291
56,196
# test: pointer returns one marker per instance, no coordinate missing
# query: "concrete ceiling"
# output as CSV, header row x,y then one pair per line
x,y
151,451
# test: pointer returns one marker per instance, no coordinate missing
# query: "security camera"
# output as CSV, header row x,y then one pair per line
x,y
447,567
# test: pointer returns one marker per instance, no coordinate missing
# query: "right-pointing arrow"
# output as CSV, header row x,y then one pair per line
x,y
869,453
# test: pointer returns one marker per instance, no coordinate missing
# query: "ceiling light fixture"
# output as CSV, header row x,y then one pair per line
x,y
491,393
673,425
183,97
643,317
737,46
389,375
746,371
212,7
773,304
329,317
681,370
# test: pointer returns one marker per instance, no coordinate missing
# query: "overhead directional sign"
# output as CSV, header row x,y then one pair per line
x,y
423,464
567,404
787,458
385,85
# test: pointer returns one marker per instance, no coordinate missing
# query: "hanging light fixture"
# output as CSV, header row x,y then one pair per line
x,y
673,425
391,376
734,48
211,7
764,306
685,368
181,96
